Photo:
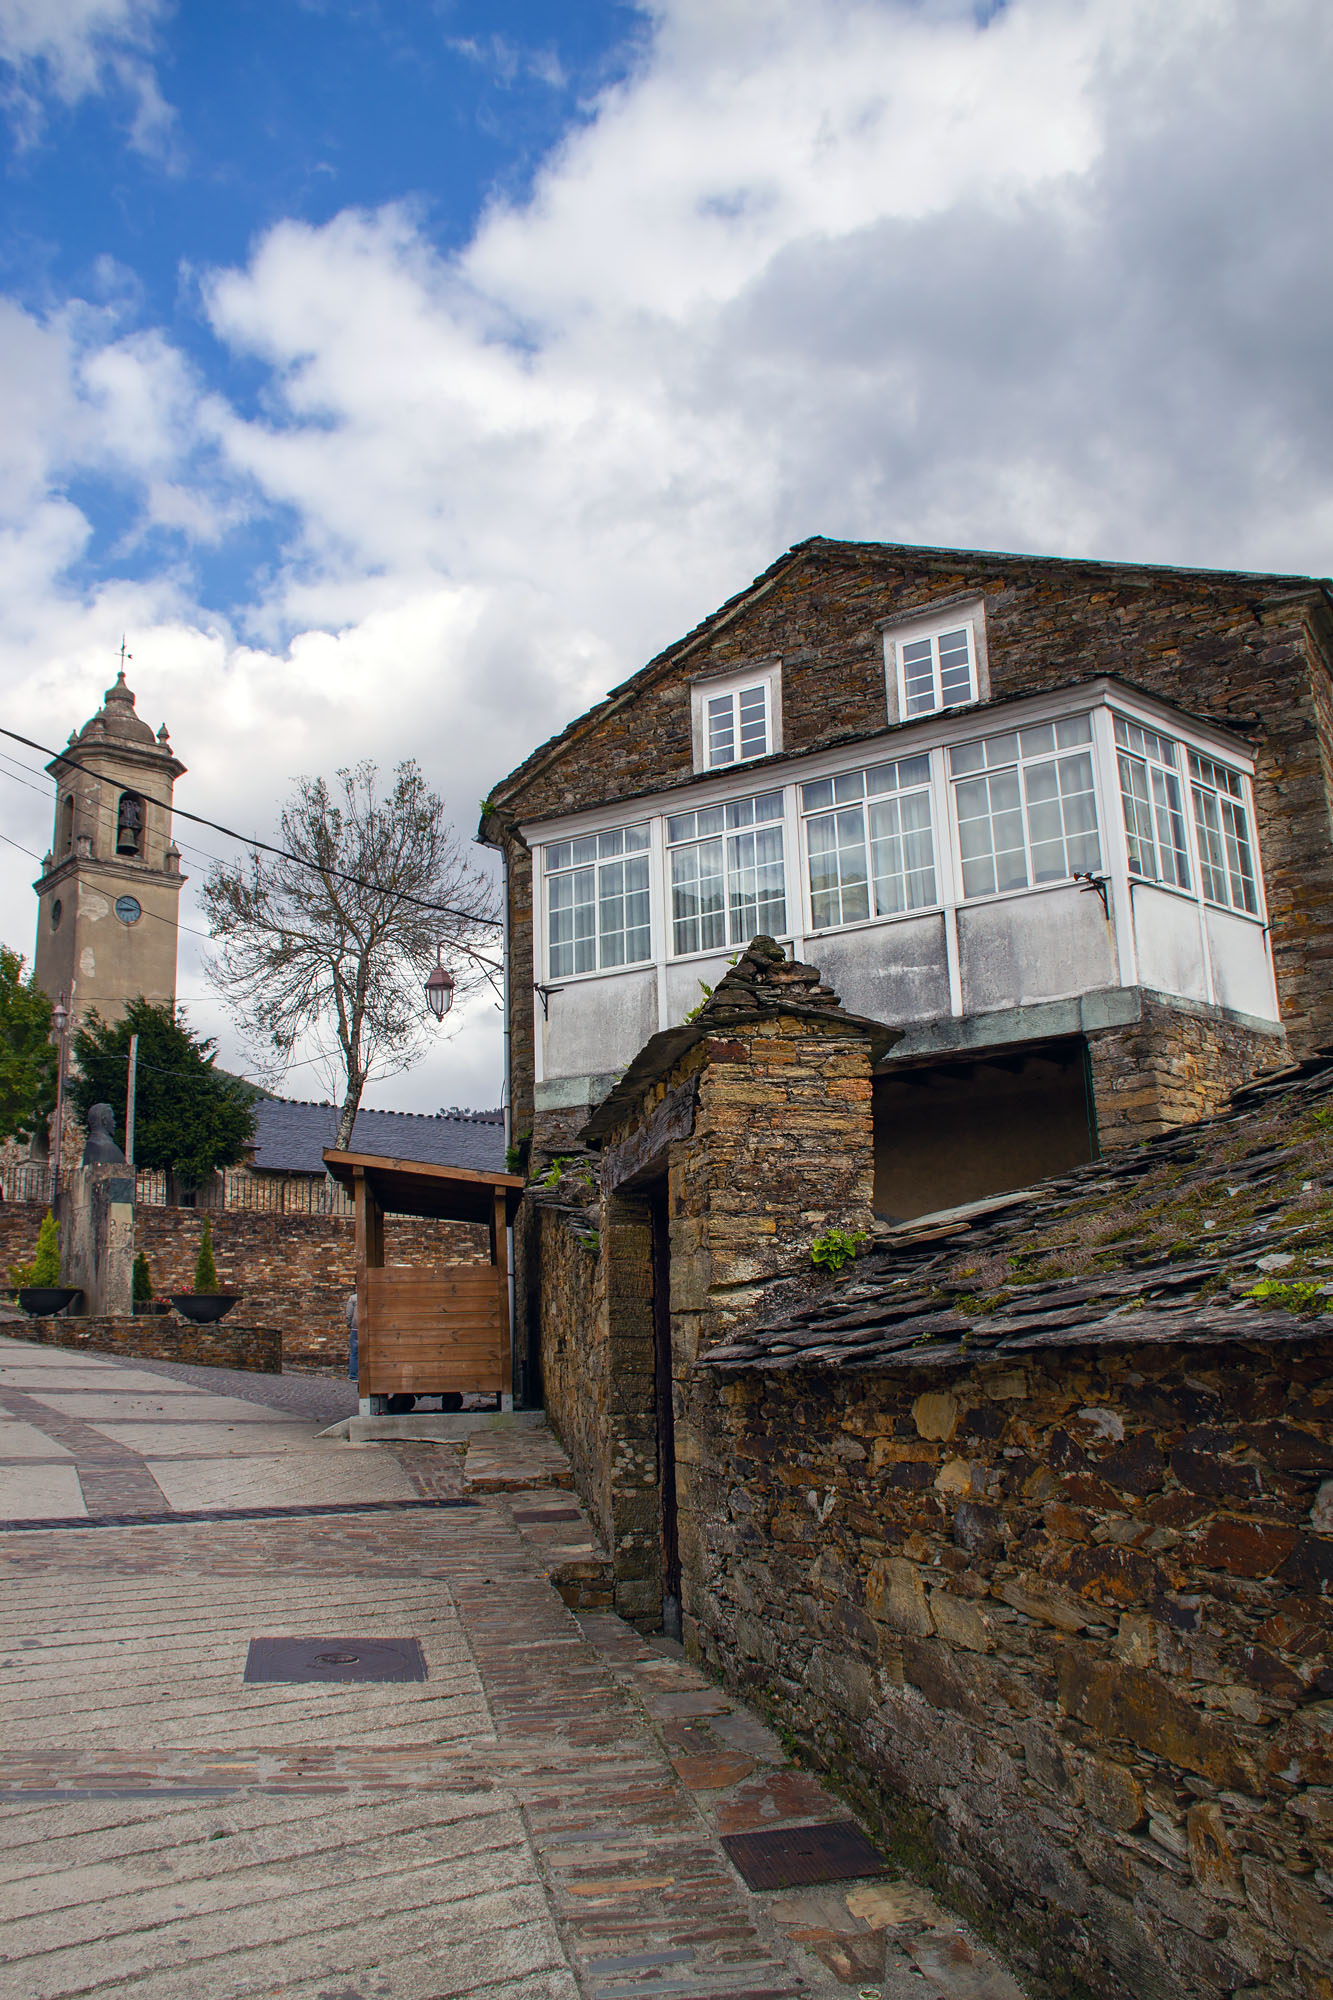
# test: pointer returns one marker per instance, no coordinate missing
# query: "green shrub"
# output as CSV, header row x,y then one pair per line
x,y
835,1248
44,1269
205,1270
142,1281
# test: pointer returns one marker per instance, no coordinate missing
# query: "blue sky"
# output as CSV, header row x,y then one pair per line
x,y
400,377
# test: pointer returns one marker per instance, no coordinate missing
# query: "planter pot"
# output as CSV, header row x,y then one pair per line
x,y
204,1307
43,1300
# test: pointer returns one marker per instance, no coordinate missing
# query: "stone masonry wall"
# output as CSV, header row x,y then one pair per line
x,y
1063,1629
1171,1067
155,1337
574,1361
294,1272
1246,652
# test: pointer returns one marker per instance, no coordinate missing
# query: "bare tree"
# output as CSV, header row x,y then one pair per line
x,y
332,941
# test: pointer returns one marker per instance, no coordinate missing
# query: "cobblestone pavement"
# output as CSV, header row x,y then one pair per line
x,y
540,1818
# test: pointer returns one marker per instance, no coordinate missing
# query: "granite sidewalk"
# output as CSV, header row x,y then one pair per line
x,y
542,1815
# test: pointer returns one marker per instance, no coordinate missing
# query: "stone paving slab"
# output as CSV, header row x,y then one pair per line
x,y
539,1820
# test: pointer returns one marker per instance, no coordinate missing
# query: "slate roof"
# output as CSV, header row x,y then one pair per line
x,y
290,1137
1219,1231
821,548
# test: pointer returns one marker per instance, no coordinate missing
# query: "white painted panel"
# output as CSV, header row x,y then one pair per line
x,y
1169,940
1241,976
597,1025
683,988
1052,945
895,972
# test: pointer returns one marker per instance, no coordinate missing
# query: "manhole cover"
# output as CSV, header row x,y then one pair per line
x,y
786,1857
335,1660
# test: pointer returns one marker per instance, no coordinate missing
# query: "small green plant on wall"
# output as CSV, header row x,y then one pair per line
x,y
205,1270
835,1248
44,1270
142,1281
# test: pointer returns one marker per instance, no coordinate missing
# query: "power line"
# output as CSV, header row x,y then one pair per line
x,y
282,853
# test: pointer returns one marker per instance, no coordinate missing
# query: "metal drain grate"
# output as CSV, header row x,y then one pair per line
x,y
547,1514
335,1660
788,1857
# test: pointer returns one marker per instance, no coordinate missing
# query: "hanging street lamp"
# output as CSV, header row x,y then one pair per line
x,y
440,986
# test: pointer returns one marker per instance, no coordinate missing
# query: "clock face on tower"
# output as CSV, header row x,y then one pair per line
x,y
128,910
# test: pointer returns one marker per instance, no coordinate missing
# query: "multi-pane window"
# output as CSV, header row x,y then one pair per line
x,y
937,671
1027,810
1153,804
727,878
1221,821
597,905
736,725
868,843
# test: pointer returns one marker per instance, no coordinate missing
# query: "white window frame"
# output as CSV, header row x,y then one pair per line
x,y
863,804
1160,772
766,677
1021,764
966,615
546,875
726,835
1200,765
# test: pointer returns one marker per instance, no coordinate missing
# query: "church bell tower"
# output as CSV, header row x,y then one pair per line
x,y
110,886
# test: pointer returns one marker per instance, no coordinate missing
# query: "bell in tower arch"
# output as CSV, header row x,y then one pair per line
x,y
129,824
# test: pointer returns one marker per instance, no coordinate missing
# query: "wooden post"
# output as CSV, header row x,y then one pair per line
x,y
500,1258
369,1256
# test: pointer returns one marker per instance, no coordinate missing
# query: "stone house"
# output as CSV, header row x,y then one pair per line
x,y
1023,1525
1065,823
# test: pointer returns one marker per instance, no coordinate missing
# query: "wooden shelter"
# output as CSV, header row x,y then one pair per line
x,y
421,1331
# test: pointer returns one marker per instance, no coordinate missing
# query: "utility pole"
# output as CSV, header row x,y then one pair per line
x,y
129,1099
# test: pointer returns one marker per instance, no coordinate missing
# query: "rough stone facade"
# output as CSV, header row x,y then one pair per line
x,y
1025,1526
1175,1064
1250,653
752,1129
294,1272
154,1337
1063,1629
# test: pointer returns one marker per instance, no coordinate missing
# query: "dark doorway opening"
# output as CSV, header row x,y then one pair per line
x,y
954,1130
665,1409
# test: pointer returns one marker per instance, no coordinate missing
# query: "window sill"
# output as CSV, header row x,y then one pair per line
x,y
875,923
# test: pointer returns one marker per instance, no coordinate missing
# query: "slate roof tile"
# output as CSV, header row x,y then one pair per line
x,y
290,1137
1126,1250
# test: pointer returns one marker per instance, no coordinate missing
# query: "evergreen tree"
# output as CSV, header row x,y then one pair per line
x,y
142,1280
27,1060
44,1270
205,1270
190,1117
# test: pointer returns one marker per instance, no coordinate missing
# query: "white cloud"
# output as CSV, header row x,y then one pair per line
x,y
859,267
71,49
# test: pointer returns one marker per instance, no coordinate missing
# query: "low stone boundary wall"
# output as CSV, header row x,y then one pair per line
x,y
293,1272
154,1337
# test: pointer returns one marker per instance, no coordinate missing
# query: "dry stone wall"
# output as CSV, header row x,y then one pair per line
x,y
1172,1067
156,1337
1063,1629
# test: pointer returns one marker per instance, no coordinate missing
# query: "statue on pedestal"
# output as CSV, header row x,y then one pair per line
x,y
101,1148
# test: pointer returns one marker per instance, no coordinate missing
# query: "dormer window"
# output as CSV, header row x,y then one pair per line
x,y
737,719
935,661
130,825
